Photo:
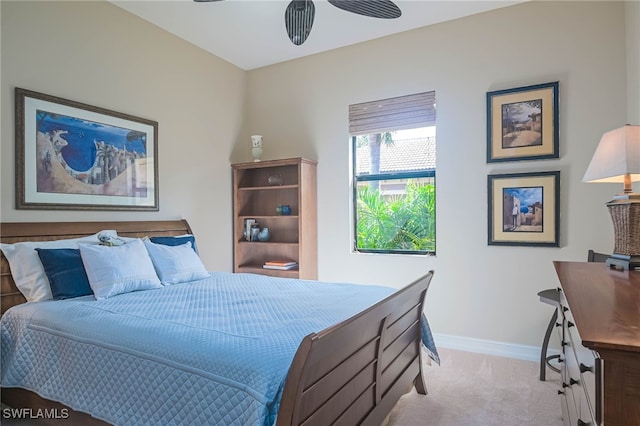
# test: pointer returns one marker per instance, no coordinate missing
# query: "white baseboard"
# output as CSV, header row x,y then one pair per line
x,y
490,347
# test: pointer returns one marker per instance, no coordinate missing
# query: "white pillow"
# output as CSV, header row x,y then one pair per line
x,y
176,264
26,268
120,269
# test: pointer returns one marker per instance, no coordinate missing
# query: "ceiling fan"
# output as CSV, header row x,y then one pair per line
x,y
299,14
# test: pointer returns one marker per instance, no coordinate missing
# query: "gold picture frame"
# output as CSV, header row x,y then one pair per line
x,y
524,209
522,123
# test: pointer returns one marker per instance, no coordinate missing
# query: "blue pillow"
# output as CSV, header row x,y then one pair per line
x,y
175,241
65,270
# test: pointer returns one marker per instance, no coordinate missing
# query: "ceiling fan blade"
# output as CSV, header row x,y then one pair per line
x,y
298,19
385,9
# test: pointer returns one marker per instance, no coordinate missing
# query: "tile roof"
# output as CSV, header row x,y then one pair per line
x,y
406,155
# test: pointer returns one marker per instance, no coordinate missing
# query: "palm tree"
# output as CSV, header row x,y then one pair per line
x,y
103,157
375,141
397,223
135,135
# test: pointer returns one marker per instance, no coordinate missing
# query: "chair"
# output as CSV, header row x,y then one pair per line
x,y
596,257
552,297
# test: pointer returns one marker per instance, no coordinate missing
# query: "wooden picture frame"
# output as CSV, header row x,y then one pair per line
x,y
74,156
522,123
524,209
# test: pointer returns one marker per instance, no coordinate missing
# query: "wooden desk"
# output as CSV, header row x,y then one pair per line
x,y
605,305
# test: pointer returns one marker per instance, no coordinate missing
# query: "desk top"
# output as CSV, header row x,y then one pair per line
x,y
604,302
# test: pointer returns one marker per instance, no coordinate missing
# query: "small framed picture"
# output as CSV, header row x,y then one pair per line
x,y
524,209
522,123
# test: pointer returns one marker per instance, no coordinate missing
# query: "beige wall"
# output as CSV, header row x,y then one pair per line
x,y
99,54
96,53
633,61
479,291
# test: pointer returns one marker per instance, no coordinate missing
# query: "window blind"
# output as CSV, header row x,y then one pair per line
x,y
402,112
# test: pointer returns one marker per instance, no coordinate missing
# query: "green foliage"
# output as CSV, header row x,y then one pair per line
x,y
402,222
385,137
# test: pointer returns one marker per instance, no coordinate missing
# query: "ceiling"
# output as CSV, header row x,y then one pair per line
x,y
251,33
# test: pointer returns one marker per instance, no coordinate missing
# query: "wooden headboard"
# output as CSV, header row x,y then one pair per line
x,y
13,232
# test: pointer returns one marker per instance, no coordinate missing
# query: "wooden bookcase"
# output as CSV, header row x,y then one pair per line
x,y
292,237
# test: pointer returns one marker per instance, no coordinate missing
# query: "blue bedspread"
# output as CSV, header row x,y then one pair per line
x,y
214,351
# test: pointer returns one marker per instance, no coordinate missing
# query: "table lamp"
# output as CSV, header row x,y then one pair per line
x,y
617,159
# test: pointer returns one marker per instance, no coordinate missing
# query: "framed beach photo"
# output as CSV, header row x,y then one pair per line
x,y
522,123
75,156
524,209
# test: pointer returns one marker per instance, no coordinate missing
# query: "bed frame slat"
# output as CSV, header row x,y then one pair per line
x,y
392,351
341,401
338,378
320,354
401,325
405,359
358,409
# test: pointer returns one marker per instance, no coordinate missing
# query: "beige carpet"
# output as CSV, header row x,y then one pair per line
x,y
470,389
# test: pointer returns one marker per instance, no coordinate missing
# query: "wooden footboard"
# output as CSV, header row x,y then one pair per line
x,y
355,372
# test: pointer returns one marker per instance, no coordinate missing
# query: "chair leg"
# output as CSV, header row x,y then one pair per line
x,y
545,344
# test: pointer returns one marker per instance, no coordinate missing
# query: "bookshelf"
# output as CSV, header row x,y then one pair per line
x,y
258,189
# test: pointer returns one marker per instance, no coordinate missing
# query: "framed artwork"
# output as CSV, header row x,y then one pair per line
x,y
74,156
522,123
524,209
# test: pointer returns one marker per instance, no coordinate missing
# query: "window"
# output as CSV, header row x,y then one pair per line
x,y
394,171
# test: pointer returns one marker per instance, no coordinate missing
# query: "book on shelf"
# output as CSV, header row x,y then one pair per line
x,y
282,268
281,263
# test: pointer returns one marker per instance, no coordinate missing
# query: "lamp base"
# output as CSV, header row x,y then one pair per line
x,y
625,214
621,261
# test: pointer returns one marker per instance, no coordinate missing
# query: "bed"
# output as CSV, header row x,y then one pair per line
x,y
321,363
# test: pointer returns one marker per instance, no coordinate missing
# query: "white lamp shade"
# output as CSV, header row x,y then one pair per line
x,y
617,155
